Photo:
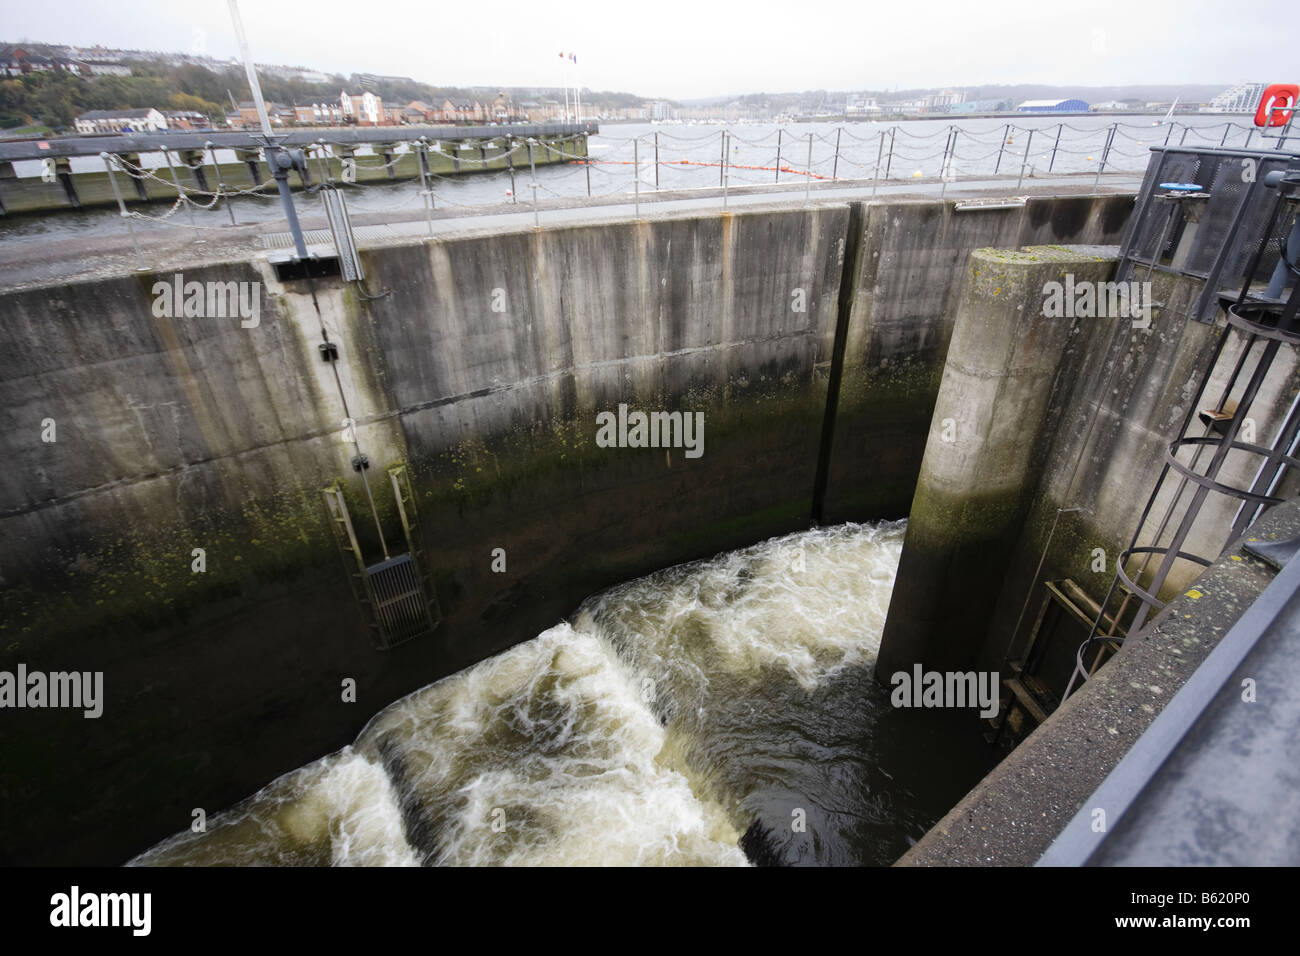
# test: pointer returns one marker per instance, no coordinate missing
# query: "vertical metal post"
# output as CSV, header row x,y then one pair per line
x,y
1226,127
1059,127
532,167
587,163
779,133
1183,139
656,159
121,206
510,164
1170,132
726,170
1024,160
722,161
185,201
1001,146
426,190
636,175
1104,154
807,189
221,186
880,149
835,169
889,160
270,146
1249,132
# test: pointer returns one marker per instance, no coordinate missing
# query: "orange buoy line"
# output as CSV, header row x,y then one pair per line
x,y
694,162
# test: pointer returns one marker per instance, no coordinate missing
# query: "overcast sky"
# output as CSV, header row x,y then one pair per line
x,y
706,48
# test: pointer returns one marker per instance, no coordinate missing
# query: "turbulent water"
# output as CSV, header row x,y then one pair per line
x,y
672,715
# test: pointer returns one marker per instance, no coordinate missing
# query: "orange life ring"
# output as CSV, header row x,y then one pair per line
x,y
1271,113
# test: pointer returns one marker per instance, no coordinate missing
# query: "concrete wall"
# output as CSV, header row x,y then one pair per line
x,y
174,434
1057,434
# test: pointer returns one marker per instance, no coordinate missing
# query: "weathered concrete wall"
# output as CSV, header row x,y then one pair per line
x,y
984,454
1048,479
175,434
908,275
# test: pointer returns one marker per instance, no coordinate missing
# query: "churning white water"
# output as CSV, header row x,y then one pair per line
x,y
670,716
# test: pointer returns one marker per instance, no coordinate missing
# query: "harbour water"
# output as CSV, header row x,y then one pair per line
x,y
627,157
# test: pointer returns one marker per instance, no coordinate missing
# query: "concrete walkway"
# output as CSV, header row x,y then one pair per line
x,y
176,246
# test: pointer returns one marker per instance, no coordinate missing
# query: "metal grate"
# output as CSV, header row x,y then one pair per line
x,y
400,607
322,237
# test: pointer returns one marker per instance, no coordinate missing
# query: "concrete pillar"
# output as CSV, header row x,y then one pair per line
x,y
985,451
193,160
137,181
6,173
63,168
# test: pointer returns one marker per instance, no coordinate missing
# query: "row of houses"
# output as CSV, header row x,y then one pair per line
x,y
368,109
19,60
146,120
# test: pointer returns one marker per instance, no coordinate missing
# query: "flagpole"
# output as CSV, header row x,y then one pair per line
x,y
564,78
577,88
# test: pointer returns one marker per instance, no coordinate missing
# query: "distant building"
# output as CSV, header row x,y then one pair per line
x,y
120,121
859,105
941,102
1242,98
186,119
1052,106
363,109
1110,106
318,114
982,106
462,111
19,59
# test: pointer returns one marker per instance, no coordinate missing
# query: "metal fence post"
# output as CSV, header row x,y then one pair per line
x,y
889,160
880,149
1024,160
426,191
532,167
1001,146
510,165
726,170
656,159
1059,127
121,206
1104,154
185,201
221,186
779,133
835,170
636,175
722,161
807,189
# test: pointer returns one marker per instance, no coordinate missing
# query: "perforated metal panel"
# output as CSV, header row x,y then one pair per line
x,y
1239,214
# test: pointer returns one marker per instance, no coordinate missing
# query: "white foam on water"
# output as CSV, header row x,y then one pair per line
x,y
810,604
549,755
553,753
339,810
